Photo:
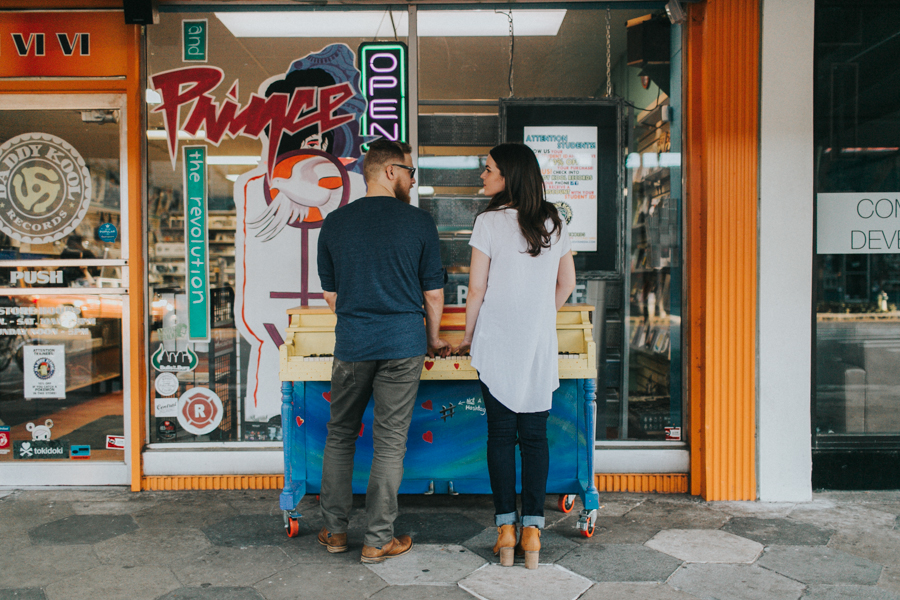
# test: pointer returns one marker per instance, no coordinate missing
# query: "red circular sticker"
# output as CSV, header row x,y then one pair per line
x,y
199,410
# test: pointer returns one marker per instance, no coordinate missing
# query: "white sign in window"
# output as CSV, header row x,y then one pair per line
x,y
45,371
858,223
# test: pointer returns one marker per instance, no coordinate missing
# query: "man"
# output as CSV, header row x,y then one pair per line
x,y
378,257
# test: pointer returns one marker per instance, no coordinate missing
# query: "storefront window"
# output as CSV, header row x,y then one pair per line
x,y
857,261
61,289
215,80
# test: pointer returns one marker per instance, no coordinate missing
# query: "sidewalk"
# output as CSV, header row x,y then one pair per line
x,y
230,545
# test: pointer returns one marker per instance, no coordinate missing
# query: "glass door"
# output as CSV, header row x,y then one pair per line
x,y
63,290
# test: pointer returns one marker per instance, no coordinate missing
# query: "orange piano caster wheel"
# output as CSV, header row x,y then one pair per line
x,y
293,528
317,498
566,502
589,531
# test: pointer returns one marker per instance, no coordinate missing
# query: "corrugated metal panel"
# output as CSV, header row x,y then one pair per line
x,y
663,483
214,482
722,96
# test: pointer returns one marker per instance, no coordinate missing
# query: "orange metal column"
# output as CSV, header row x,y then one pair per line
x,y
721,147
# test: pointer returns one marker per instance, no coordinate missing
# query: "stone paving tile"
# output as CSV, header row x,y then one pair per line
x,y
152,547
38,566
437,528
614,530
18,516
75,494
493,582
635,591
317,582
137,583
890,579
828,514
429,564
734,582
781,532
620,562
819,564
213,593
763,510
847,592
420,592
706,546
22,594
244,531
231,566
877,545
5,493
660,513
113,507
83,529
553,545
178,512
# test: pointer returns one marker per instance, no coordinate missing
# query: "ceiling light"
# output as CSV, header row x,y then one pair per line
x,y
676,15
371,24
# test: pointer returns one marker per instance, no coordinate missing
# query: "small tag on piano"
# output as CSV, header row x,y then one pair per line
x,y
673,434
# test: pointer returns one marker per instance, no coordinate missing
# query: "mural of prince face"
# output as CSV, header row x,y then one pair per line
x,y
313,172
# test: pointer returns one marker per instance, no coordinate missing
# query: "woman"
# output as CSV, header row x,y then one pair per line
x,y
522,271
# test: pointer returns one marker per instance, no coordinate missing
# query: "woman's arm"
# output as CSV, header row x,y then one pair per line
x,y
478,278
565,279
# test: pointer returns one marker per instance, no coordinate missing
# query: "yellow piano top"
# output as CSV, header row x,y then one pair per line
x,y
308,349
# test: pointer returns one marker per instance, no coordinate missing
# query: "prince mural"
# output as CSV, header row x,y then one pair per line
x,y
308,122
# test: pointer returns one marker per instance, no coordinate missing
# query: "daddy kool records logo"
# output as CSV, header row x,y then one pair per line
x,y
199,410
45,188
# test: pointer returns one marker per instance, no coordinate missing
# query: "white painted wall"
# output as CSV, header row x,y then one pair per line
x,y
785,251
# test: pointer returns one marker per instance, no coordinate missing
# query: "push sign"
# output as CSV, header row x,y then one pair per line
x,y
384,84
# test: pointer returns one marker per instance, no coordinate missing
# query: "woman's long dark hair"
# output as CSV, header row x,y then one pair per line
x,y
525,192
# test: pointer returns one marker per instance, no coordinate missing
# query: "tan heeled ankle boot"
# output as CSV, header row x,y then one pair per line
x,y
506,542
530,546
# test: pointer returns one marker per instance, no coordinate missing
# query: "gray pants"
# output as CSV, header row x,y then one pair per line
x,y
394,384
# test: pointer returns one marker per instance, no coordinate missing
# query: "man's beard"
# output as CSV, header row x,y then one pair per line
x,y
400,193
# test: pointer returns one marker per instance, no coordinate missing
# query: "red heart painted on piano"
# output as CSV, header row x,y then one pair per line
x,y
429,364
427,405
428,437
299,421
455,365
327,396
361,427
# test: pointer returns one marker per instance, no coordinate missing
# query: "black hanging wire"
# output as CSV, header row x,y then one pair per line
x,y
512,49
393,25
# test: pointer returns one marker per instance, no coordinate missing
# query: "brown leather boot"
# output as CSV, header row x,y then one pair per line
x,y
334,542
395,547
530,546
506,541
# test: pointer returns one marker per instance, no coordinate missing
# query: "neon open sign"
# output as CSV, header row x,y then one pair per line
x,y
384,84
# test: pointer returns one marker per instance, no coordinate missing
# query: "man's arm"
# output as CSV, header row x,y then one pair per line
x,y
331,299
434,308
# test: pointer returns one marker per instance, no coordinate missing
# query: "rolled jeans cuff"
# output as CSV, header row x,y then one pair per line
x,y
533,521
507,519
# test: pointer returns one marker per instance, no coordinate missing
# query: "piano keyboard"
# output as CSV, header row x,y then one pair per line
x,y
309,343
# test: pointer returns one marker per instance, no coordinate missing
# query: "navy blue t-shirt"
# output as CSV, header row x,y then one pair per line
x,y
379,254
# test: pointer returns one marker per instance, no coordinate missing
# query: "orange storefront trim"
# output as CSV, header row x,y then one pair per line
x,y
213,482
721,146
642,483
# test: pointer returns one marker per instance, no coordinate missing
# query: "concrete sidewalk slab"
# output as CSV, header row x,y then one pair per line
x,y
137,583
246,531
882,546
690,515
213,593
706,546
620,562
734,582
847,592
38,566
493,582
422,592
819,564
231,566
321,581
22,594
826,513
429,564
553,545
635,591
781,532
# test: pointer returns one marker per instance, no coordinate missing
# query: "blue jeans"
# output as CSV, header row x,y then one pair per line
x,y
505,428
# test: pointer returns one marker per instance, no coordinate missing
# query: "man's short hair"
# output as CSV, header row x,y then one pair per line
x,y
382,153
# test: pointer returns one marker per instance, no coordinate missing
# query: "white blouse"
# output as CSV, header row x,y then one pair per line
x,y
514,347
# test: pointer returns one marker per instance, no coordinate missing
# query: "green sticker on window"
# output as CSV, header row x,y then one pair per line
x,y
196,242
193,40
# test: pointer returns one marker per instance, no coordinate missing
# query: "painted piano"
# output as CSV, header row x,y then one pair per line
x,y
446,448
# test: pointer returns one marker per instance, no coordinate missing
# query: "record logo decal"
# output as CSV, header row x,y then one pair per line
x,y
199,410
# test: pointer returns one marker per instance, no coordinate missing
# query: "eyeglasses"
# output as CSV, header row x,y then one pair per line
x,y
412,170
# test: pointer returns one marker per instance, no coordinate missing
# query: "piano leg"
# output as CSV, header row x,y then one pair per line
x,y
591,498
287,502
